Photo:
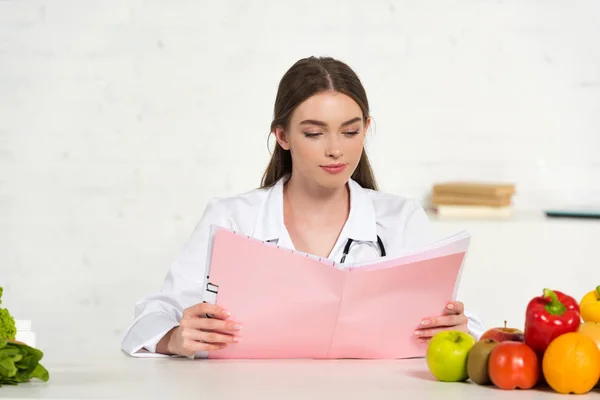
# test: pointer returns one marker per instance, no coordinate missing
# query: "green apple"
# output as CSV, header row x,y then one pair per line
x,y
447,355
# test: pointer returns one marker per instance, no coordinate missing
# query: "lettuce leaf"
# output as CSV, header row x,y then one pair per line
x,y
20,363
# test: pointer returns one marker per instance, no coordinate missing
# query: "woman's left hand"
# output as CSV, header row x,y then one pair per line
x,y
453,318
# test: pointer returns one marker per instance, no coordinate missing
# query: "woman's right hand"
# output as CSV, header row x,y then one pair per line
x,y
196,332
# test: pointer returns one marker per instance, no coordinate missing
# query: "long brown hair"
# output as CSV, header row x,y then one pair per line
x,y
304,79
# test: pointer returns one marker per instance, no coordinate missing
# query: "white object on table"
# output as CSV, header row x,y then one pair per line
x,y
24,332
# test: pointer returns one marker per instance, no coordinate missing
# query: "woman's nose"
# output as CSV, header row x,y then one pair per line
x,y
333,149
335,153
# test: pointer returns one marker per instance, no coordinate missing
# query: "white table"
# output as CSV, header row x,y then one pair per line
x,y
122,377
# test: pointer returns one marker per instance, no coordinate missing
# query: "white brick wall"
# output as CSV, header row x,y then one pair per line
x,y
120,119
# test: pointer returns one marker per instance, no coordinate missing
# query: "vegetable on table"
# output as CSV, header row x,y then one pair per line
x,y
549,316
20,363
590,306
8,328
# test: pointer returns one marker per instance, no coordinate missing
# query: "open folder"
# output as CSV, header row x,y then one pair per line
x,y
296,305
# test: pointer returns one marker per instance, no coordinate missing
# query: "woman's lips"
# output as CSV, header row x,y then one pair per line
x,y
334,168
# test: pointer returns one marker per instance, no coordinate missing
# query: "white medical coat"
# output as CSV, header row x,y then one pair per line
x,y
400,222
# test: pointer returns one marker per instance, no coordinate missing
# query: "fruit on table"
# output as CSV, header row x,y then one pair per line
x,y
501,334
477,361
549,316
571,363
514,365
447,354
590,306
592,330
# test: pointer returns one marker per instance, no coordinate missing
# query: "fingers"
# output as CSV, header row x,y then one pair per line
x,y
198,333
193,341
444,321
209,337
201,309
429,333
210,324
433,325
454,307
452,318
191,347
425,335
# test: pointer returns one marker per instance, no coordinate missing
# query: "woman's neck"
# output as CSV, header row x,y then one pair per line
x,y
313,201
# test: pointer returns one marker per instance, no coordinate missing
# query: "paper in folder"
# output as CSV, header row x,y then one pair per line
x,y
295,305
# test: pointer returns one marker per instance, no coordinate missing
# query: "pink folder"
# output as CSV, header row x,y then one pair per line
x,y
294,305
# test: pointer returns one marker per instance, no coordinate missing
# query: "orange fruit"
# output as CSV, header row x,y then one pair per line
x,y
591,329
571,363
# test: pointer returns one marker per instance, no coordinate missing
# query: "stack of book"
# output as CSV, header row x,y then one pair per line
x,y
473,199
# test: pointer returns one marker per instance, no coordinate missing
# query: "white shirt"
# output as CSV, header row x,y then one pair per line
x,y
400,223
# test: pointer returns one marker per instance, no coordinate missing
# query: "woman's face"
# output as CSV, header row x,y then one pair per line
x,y
326,138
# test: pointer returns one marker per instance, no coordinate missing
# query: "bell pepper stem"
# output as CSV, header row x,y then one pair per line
x,y
597,290
554,307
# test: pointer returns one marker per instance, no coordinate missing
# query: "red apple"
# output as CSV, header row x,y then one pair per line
x,y
504,334
514,365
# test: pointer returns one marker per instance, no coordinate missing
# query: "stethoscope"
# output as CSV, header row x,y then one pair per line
x,y
213,289
349,243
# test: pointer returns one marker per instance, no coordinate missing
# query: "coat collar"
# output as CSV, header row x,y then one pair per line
x,y
361,224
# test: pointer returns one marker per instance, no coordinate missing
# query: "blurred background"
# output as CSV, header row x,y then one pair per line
x,y
120,119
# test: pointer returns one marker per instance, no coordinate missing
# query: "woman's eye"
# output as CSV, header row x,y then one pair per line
x,y
315,134
311,134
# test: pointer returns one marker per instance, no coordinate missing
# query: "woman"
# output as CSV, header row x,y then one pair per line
x,y
318,195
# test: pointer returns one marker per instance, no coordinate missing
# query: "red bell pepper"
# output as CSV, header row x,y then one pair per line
x,y
549,316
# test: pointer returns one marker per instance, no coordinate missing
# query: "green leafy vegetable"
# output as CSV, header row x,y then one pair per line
x,y
8,328
20,363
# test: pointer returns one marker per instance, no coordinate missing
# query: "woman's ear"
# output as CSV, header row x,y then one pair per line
x,y
282,138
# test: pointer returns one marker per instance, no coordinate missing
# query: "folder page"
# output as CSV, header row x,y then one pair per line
x,y
287,302
381,308
294,305
457,243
